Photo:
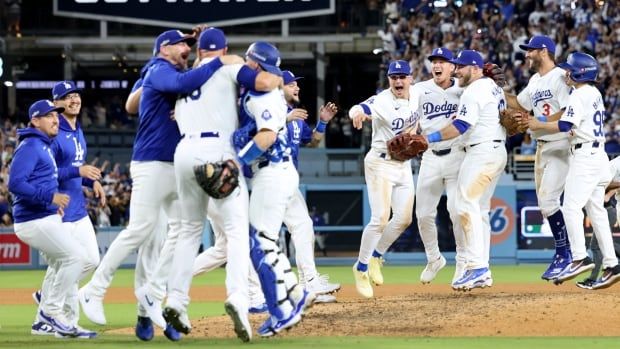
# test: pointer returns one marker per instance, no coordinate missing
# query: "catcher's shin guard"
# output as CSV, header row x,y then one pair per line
x,y
274,272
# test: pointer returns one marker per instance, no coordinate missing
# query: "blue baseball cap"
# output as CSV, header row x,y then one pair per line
x,y
399,67
171,37
538,42
289,77
441,53
469,57
42,108
63,88
212,39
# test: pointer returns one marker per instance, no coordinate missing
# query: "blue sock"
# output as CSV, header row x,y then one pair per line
x,y
558,228
362,266
376,254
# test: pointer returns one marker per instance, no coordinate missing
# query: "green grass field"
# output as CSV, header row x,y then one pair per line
x,y
15,320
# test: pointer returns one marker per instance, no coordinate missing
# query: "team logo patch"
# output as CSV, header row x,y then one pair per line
x,y
266,115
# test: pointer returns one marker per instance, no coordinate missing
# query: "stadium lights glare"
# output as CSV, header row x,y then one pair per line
x,y
8,83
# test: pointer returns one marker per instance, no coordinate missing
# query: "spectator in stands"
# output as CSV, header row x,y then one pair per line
x,y
317,221
528,146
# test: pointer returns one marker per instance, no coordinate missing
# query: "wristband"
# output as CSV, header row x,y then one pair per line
x,y
542,118
434,137
250,152
320,127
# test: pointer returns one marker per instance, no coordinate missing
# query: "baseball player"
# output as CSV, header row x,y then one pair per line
x,y
546,95
37,209
69,149
485,158
588,172
389,182
152,170
207,119
438,102
274,182
297,219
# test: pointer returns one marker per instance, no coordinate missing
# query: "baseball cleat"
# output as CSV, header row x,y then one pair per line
x,y
81,333
273,326
40,328
586,284
320,285
325,298
59,323
573,269
474,278
610,276
242,327
144,328
152,306
555,268
432,268
259,308
301,299
172,334
92,306
362,282
374,270
177,319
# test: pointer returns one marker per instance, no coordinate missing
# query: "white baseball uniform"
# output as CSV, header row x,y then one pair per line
x,y
614,166
440,165
274,183
389,182
207,119
588,174
547,95
484,162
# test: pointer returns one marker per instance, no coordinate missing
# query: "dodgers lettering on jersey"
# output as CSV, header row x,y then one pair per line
x,y
586,112
480,105
546,95
437,109
69,148
268,111
390,116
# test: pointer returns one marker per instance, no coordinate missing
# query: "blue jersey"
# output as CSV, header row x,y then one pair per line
x,y
33,178
299,133
69,149
158,134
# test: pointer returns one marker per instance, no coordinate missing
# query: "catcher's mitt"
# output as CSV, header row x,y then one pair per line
x,y
496,73
514,121
217,179
406,146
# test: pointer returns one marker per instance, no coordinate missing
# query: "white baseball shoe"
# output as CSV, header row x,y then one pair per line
x,y
320,285
374,270
325,298
152,305
432,268
362,282
92,306
239,317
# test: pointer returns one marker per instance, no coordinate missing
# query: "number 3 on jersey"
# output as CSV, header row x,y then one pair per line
x,y
546,109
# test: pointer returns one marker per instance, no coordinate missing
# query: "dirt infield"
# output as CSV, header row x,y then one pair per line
x,y
437,311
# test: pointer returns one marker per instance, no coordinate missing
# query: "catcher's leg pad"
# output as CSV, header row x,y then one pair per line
x,y
274,272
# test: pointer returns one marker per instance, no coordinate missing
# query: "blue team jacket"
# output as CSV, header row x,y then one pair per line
x,y
33,178
69,149
158,134
299,133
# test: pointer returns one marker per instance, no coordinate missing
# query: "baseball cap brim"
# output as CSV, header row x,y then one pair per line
x,y
189,39
526,47
71,90
430,58
44,112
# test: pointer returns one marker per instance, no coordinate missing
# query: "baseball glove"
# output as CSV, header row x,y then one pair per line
x,y
513,121
406,146
217,179
496,73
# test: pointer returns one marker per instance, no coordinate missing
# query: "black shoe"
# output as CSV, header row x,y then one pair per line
x,y
586,283
610,276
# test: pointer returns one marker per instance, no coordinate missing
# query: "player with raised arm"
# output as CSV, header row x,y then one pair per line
x,y
546,94
389,181
588,173
485,158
